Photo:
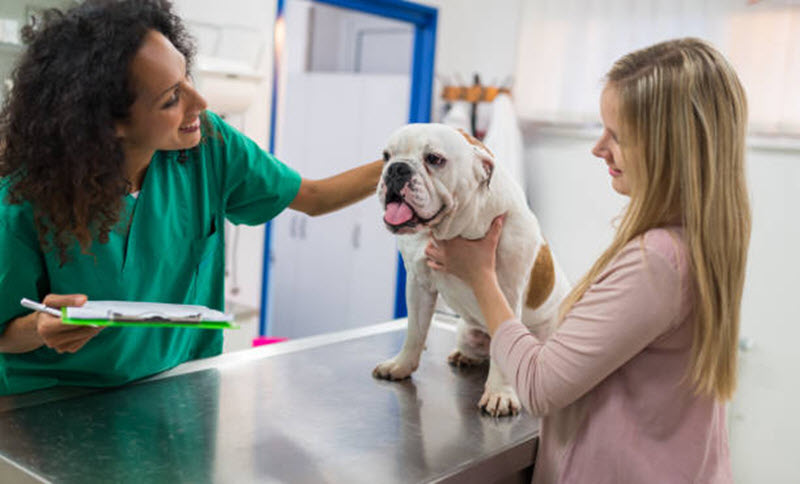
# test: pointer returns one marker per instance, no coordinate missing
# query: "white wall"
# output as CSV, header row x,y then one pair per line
x,y
566,47
763,428
474,37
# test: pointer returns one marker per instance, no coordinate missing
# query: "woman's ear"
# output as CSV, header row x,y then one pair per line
x,y
120,130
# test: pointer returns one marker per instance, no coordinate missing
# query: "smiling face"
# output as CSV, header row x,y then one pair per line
x,y
165,114
429,168
608,146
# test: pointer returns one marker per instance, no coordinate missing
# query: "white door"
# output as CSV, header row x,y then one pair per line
x,y
336,271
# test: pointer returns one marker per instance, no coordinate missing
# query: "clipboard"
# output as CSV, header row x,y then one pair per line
x,y
144,314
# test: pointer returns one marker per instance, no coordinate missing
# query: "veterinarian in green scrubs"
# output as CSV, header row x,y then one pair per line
x,y
124,195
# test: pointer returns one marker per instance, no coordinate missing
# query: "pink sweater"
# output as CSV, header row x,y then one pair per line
x,y
609,382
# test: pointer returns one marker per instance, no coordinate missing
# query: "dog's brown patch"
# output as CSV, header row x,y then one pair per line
x,y
475,141
543,278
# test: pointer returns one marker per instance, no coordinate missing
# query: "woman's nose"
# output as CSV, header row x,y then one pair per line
x,y
198,101
201,102
599,150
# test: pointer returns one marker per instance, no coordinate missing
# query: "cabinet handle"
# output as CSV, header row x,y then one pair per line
x,y
292,230
357,236
303,227
746,344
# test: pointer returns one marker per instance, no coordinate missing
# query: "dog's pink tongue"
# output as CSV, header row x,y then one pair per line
x,y
397,213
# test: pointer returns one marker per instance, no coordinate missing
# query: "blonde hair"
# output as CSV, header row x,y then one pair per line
x,y
683,116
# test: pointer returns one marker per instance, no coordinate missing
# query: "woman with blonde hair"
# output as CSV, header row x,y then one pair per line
x,y
632,384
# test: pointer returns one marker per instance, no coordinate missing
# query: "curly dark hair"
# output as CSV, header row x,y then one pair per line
x,y
58,144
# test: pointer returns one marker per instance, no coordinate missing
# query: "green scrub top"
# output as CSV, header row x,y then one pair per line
x,y
168,247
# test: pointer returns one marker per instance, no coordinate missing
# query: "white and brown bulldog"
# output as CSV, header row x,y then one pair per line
x,y
443,182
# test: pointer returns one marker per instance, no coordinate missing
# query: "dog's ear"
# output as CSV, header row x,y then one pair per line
x,y
484,170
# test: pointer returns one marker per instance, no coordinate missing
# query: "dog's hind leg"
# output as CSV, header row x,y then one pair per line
x,y
421,303
472,346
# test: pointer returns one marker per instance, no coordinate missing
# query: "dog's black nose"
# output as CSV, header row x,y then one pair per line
x,y
397,176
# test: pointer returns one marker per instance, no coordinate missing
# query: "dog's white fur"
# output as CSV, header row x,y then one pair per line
x,y
460,197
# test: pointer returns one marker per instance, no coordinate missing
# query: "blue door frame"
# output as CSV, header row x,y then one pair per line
x,y
424,20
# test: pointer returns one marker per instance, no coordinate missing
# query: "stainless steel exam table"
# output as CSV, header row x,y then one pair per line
x,y
305,411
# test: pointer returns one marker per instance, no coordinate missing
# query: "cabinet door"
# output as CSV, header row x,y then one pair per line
x,y
283,295
340,271
373,267
382,110
311,255
290,147
322,278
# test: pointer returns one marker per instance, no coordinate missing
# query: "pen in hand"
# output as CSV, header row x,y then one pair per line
x,y
55,331
25,302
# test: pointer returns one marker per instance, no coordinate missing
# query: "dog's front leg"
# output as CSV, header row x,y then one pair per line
x,y
421,303
499,398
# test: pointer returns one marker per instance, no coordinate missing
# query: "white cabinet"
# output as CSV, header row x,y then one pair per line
x,y
335,271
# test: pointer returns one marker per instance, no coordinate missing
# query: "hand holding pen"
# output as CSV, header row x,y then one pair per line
x,y
63,338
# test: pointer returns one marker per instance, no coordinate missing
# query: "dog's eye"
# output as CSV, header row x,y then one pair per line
x,y
434,160
386,156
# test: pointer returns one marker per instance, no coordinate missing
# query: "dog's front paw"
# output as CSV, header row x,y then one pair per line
x,y
499,403
394,370
459,359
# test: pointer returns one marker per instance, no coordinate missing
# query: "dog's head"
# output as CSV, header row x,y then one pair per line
x,y
431,172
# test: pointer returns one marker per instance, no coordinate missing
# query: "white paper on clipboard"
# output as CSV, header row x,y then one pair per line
x,y
145,311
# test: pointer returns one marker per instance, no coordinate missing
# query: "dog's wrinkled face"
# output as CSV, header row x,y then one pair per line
x,y
430,170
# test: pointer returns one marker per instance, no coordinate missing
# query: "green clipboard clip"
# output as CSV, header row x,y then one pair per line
x,y
127,313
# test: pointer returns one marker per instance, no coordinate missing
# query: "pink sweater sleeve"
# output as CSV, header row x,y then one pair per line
x,y
636,299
